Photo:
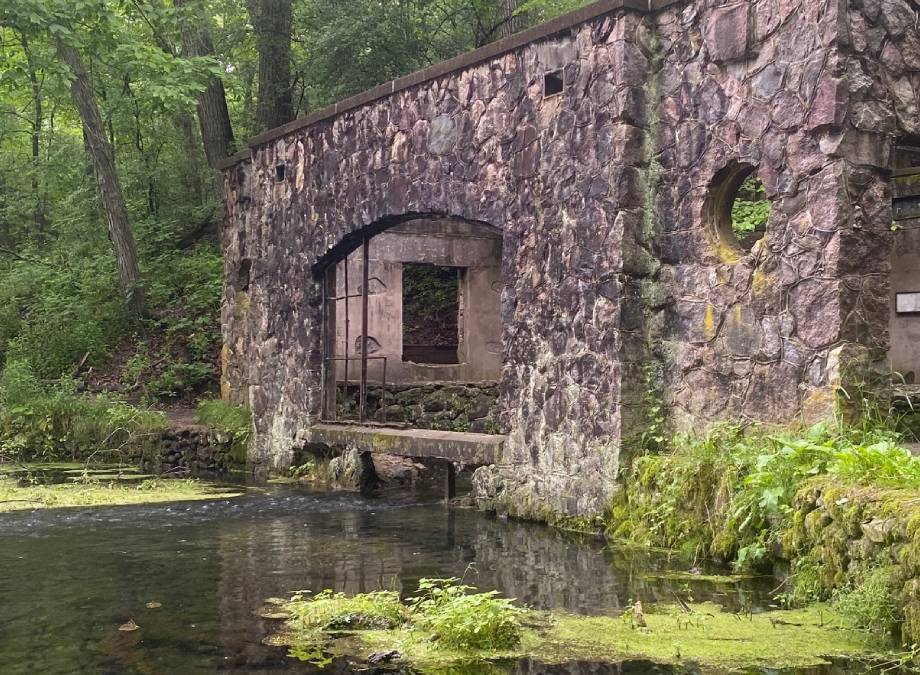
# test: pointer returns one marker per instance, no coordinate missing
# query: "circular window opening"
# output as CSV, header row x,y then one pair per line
x,y
738,207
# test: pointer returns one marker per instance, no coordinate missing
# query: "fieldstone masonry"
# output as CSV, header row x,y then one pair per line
x,y
621,280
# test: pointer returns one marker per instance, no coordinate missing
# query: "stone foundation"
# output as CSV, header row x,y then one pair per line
x,y
446,407
195,450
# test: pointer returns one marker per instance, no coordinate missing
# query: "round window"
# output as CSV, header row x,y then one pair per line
x,y
738,208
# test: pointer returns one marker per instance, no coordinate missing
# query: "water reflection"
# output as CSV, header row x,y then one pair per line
x,y
69,578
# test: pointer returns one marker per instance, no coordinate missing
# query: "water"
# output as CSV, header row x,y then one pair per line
x,y
69,578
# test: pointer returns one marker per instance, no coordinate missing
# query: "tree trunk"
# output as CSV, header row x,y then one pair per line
x,y
113,201
272,21
501,22
216,130
38,210
192,166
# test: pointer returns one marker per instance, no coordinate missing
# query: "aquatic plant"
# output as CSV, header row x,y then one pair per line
x,y
462,619
105,490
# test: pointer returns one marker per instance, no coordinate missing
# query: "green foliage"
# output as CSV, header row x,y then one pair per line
x,y
730,493
445,615
54,422
465,620
329,611
751,209
869,602
232,419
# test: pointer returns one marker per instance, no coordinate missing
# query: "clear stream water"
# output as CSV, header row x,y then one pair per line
x,y
70,577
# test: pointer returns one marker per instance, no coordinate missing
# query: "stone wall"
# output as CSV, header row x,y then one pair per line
x,y
194,450
621,281
445,406
842,534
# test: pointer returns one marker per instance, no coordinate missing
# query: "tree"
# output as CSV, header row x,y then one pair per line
x,y
213,116
273,21
103,156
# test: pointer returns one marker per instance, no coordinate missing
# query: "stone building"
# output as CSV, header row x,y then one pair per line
x,y
600,153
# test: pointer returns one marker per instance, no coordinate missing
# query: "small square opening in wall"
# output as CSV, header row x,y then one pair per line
x,y
553,83
279,172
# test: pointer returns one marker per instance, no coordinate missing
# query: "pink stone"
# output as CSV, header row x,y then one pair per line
x,y
829,105
727,31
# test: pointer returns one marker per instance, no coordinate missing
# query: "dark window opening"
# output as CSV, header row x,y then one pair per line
x,y
553,83
431,311
279,173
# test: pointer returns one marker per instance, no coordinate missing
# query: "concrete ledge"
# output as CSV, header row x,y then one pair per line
x,y
466,448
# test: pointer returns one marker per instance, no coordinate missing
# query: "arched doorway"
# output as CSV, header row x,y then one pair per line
x,y
410,310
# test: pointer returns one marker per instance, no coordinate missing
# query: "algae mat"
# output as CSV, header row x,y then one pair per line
x,y
706,636
15,496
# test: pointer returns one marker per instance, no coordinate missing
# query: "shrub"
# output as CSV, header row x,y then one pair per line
x,y
464,620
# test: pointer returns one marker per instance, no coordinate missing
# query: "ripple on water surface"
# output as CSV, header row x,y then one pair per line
x,y
70,577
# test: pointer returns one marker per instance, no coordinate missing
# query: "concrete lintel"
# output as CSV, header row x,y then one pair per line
x,y
455,446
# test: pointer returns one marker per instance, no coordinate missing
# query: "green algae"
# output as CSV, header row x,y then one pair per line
x,y
106,492
722,579
704,635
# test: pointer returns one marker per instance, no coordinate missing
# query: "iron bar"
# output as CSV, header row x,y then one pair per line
x,y
347,324
362,402
383,391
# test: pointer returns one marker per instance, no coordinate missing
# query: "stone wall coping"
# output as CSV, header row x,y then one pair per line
x,y
465,60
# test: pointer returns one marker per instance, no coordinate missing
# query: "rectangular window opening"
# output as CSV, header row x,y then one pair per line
x,y
279,172
553,83
431,313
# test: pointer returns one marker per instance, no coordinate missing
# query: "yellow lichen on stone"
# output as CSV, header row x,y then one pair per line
x,y
709,322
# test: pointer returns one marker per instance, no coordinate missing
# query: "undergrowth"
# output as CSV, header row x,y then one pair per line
x,y
52,422
235,420
729,494
840,503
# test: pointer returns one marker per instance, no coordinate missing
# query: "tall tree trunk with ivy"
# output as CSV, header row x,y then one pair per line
x,y
273,23
113,201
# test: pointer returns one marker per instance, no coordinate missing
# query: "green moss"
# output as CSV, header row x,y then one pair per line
x,y
706,636
105,492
